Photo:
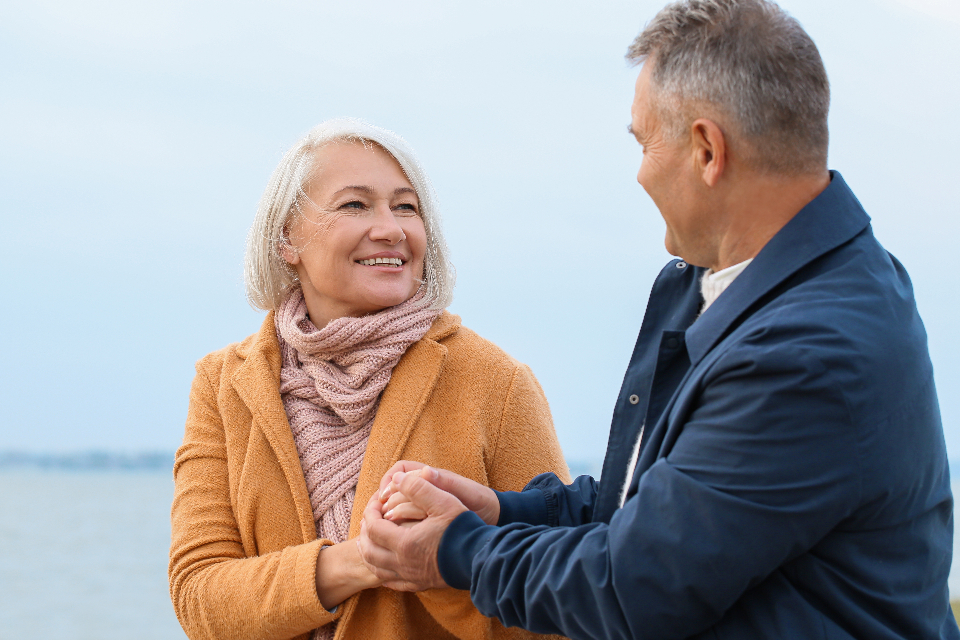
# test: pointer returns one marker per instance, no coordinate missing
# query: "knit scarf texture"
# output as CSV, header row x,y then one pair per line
x,y
330,383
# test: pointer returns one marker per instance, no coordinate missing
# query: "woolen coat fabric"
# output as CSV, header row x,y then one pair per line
x,y
244,545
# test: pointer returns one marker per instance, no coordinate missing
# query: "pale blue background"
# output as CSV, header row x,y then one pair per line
x,y
135,140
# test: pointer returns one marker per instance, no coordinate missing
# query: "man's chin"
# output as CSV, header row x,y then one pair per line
x,y
671,247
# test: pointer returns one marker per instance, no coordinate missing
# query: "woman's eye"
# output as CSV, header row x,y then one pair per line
x,y
406,209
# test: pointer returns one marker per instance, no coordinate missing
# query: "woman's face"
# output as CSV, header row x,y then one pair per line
x,y
359,245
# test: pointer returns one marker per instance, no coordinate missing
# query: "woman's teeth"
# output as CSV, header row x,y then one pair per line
x,y
394,262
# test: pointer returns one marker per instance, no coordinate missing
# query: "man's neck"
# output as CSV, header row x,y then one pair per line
x,y
759,206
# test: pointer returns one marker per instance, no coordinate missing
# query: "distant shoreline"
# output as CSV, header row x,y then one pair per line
x,y
88,461
163,460
152,461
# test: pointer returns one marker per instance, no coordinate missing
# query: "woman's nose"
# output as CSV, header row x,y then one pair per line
x,y
385,227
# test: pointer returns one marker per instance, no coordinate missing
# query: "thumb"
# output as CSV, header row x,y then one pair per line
x,y
448,481
431,499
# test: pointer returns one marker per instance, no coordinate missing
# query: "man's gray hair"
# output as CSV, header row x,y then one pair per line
x,y
752,63
268,277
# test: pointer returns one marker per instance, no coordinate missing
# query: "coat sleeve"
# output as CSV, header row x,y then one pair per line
x,y
219,592
765,465
525,444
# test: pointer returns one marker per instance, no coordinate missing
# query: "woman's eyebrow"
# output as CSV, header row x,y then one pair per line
x,y
369,190
355,187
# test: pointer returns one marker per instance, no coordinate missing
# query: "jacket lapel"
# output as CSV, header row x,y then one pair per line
x,y
411,385
830,220
257,382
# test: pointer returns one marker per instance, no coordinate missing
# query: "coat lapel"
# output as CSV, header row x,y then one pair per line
x,y
257,382
411,385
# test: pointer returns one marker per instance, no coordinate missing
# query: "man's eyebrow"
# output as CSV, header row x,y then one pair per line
x,y
631,131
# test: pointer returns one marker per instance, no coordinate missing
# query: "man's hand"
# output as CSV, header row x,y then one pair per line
x,y
405,558
398,508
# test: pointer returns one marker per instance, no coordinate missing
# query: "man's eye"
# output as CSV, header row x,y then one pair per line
x,y
353,204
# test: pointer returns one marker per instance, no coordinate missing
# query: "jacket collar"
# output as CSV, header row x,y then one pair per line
x,y
828,221
257,381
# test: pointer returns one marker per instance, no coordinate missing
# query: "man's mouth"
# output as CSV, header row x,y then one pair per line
x,y
393,262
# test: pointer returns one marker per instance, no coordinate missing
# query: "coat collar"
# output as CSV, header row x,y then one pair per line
x,y
411,385
257,382
828,221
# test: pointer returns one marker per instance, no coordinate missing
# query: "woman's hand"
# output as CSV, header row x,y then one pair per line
x,y
341,573
397,508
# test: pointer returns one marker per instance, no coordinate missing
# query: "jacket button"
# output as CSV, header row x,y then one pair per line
x,y
681,265
634,399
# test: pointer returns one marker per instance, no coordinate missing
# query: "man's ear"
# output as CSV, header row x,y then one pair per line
x,y
709,150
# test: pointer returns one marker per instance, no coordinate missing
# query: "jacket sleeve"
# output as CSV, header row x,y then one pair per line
x,y
765,465
547,500
220,589
524,445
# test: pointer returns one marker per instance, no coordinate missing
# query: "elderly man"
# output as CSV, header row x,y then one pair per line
x,y
776,465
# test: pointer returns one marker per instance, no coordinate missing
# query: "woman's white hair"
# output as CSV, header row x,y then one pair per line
x,y
268,277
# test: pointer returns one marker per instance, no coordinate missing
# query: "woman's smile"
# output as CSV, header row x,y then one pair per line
x,y
387,261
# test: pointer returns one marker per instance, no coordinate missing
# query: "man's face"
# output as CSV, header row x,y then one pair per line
x,y
667,175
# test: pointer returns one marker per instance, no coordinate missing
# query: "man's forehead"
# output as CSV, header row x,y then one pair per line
x,y
640,109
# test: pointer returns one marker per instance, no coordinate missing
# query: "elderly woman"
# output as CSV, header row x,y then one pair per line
x,y
356,366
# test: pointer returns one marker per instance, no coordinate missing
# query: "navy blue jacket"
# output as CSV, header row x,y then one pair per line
x,y
792,480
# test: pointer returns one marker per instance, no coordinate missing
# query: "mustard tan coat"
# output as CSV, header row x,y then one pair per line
x,y
244,545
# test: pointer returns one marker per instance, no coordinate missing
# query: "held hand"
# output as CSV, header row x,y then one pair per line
x,y
397,507
476,497
399,510
405,558
404,466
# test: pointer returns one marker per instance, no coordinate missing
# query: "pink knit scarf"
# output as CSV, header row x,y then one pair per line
x,y
330,383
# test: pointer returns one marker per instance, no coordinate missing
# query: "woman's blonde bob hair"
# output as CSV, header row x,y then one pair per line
x,y
268,277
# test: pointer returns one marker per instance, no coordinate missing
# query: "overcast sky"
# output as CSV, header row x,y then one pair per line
x,y
136,138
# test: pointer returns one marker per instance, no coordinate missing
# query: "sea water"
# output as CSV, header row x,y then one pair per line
x,y
83,555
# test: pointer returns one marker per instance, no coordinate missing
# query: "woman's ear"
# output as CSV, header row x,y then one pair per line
x,y
287,251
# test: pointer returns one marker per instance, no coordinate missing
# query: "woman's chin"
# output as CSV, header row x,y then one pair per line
x,y
378,301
